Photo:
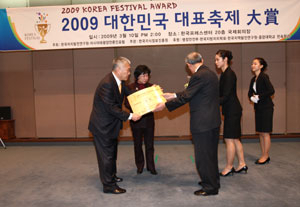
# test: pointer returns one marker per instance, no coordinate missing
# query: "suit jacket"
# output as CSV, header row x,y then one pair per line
x,y
228,97
202,94
147,121
264,90
107,116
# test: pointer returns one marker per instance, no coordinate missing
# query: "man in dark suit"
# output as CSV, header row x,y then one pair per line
x,y
106,121
202,94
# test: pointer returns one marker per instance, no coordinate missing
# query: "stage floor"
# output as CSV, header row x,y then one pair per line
x,y
66,175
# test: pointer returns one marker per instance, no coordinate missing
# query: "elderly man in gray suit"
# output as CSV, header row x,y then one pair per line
x,y
106,122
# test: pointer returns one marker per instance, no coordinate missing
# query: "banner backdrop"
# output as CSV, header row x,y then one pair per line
x,y
149,23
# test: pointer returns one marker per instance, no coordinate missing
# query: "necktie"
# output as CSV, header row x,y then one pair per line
x,y
120,87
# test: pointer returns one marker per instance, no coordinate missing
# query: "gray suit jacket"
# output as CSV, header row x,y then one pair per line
x,y
107,116
202,94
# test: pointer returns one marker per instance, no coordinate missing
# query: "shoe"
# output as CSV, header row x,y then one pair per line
x,y
204,193
229,173
153,172
139,171
262,163
115,190
243,169
117,179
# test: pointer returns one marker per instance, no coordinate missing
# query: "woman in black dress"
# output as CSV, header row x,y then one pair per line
x,y
232,111
260,92
143,128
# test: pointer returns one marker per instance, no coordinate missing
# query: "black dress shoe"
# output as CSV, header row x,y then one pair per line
x,y
115,190
117,179
262,163
204,193
243,169
139,171
229,173
153,172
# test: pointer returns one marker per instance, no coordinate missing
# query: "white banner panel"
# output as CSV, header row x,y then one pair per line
x,y
149,23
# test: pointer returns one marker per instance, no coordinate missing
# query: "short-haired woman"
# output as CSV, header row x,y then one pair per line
x,y
143,128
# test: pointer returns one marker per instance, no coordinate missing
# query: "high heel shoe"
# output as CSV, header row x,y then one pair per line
x,y
243,169
262,163
229,173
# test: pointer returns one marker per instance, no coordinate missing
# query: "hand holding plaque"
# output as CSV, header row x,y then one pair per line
x,y
146,100
136,117
169,96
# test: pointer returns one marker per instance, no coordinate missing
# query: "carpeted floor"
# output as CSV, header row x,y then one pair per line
x,y
66,174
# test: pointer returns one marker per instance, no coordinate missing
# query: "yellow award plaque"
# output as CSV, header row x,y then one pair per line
x,y
145,100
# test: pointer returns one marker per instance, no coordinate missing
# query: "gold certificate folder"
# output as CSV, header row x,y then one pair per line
x,y
145,100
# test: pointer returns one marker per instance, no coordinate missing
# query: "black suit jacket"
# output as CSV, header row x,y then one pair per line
x,y
228,97
202,94
107,116
264,90
147,120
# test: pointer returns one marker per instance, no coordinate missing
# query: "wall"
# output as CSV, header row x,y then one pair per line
x,y
293,87
51,92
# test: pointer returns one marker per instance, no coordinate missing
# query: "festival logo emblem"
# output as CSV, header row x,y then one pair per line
x,y
42,27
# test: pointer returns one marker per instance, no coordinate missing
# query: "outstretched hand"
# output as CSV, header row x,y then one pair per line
x,y
159,107
169,96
